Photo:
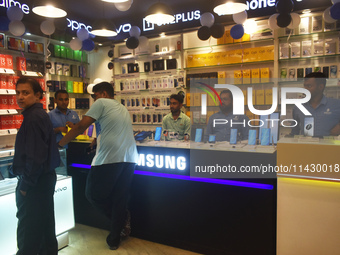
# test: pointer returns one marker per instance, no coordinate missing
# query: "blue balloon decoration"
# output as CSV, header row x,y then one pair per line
x,y
335,11
237,31
88,45
4,22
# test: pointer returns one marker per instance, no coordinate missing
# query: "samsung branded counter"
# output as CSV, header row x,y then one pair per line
x,y
198,211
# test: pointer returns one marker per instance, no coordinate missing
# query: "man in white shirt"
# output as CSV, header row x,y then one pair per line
x,y
112,169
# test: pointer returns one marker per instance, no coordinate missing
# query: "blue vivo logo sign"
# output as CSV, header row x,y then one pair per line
x,y
238,100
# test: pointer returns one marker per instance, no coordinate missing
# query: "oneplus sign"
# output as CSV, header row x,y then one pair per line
x,y
179,18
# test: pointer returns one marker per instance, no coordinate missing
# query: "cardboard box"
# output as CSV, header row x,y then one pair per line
x,y
255,75
238,77
246,76
260,97
268,96
265,74
221,77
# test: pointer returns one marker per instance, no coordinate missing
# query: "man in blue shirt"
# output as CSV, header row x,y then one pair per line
x,y
61,116
325,111
222,129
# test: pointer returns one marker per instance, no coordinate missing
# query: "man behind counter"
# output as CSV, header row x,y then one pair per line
x,y
177,121
61,116
325,111
222,131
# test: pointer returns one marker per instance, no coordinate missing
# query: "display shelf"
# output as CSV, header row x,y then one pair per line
x,y
55,59
31,74
126,76
310,57
4,132
8,111
6,71
66,76
7,92
234,64
153,55
230,44
310,35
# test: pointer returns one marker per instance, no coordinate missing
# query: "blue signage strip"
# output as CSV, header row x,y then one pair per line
x,y
188,178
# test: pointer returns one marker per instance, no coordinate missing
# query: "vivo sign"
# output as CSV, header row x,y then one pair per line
x,y
259,4
162,161
8,3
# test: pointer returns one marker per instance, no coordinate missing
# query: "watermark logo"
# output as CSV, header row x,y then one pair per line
x,y
238,100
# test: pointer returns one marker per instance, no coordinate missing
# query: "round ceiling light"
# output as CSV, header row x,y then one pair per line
x,y
159,13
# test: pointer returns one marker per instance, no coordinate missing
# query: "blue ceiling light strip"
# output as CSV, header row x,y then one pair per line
x,y
197,179
208,180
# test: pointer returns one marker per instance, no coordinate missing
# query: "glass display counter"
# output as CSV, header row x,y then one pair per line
x,y
63,203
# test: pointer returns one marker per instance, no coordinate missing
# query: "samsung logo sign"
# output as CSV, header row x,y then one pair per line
x,y
162,161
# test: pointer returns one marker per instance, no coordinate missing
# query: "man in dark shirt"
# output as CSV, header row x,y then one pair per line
x,y
36,156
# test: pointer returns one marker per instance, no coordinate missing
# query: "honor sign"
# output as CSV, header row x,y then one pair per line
x,y
259,4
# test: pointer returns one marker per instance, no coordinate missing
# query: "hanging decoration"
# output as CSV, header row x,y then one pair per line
x,y
76,44
47,27
133,41
327,16
82,34
88,45
237,31
17,28
335,10
14,13
284,17
208,27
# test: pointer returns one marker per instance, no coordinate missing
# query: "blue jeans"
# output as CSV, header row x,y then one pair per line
x,y
107,189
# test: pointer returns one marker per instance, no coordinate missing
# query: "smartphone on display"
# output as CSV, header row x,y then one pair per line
x,y
158,133
308,129
252,137
212,138
233,136
265,136
90,131
274,127
198,135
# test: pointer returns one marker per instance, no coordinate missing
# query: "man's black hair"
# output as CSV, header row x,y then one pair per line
x,y
227,91
34,85
320,78
104,86
179,97
60,91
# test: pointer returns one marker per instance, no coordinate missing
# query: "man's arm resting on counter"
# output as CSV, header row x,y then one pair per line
x,y
78,129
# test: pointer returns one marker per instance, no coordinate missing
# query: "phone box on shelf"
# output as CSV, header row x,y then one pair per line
x,y
330,46
255,75
127,85
238,77
137,84
21,64
72,103
3,82
246,76
69,53
265,74
69,86
57,51
159,84
3,61
9,61
62,52
59,68
317,24
3,102
333,73
260,97
292,73
283,73
11,81
165,84
66,70
142,84
132,85
304,25
268,96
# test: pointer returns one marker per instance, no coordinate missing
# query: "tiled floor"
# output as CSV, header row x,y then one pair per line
x,y
85,240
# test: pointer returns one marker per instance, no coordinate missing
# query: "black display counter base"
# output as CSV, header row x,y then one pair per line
x,y
207,218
